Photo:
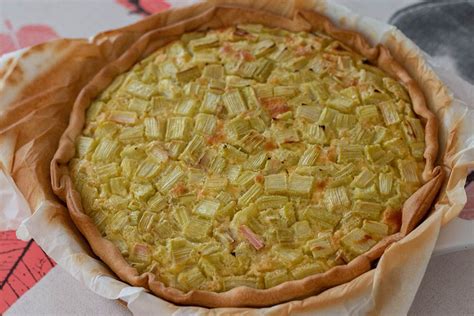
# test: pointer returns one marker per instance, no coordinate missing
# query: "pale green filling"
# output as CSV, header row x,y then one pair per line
x,y
247,157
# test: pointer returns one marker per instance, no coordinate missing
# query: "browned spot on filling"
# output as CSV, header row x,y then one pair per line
x,y
216,138
275,106
320,185
179,189
303,50
219,135
331,154
270,145
246,55
227,49
364,239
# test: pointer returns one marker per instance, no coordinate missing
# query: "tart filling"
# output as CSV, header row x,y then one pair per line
x,y
248,156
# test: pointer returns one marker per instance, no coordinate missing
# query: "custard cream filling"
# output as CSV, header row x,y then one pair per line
x,y
248,156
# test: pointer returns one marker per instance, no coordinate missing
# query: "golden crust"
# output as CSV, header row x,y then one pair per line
x,y
412,212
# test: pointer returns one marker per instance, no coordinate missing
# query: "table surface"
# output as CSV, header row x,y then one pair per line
x,y
448,285
446,289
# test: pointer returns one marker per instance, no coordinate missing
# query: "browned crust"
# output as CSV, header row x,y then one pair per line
x,y
413,210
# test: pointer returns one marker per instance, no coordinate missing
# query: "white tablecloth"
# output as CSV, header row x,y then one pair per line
x,y
447,289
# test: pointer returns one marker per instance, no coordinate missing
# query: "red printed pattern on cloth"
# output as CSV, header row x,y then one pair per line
x,y
27,35
144,7
22,265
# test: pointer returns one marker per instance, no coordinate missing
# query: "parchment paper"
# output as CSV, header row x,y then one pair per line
x,y
33,116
